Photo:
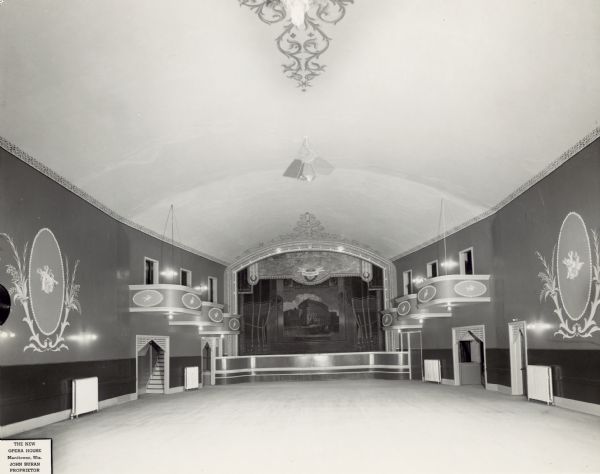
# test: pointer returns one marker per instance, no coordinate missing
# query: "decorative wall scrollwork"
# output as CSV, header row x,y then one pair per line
x,y
45,286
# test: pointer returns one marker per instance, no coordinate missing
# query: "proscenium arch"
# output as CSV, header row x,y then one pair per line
x,y
389,270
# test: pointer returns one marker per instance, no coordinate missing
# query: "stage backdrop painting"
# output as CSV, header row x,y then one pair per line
x,y
337,315
311,316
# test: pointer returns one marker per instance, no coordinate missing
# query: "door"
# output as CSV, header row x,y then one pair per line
x,y
518,357
468,353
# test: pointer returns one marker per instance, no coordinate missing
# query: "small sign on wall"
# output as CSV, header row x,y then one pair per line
x,y
26,455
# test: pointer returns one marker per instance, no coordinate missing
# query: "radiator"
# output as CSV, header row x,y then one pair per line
x,y
84,396
433,371
539,383
191,378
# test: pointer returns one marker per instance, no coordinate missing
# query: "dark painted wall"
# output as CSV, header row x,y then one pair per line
x,y
111,258
505,246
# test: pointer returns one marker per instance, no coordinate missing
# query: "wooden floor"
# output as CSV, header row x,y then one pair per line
x,y
360,426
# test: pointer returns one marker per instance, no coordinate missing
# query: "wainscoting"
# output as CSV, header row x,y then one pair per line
x,y
575,373
31,391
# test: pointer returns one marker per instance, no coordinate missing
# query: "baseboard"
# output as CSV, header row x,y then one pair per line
x,y
130,397
33,423
494,387
447,381
40,421
576,405
171,390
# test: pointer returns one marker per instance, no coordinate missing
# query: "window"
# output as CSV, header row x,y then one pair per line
x,y
467,266
212,289
150,271
185,277
407,282
432,269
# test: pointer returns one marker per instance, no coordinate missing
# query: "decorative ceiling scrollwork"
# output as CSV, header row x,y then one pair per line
x,y
308,228
303,39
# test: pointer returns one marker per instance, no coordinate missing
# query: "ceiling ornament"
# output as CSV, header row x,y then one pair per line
x,y
308,229
303,39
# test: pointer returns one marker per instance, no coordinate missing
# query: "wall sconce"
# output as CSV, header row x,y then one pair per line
x,y
539,326
201,288
6,334
448,264
83,337
169,273
418,280
340,249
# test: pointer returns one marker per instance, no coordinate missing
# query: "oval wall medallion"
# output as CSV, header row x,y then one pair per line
x,y
215,315
470,288
426,294
147,298
191,301
46,282
403,308
387,319
574,266
234,324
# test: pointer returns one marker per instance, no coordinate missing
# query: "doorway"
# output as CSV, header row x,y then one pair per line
x,y
468,353
411,342
152,364
208,361
517,344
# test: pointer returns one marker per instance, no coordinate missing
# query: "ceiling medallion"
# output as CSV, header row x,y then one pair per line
x,y
303,39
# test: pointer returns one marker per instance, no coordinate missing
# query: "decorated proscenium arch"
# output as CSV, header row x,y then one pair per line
x,y
44,285
572,278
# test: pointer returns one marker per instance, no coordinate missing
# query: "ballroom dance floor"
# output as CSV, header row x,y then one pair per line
x,y
341,426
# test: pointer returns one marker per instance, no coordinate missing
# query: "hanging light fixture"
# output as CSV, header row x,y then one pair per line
x,y
447,264
308,164
169,273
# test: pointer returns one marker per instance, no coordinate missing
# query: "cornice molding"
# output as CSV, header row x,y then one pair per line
x,y
65,183
567,155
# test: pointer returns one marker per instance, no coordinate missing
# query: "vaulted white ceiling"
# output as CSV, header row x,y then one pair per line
x,y
146,103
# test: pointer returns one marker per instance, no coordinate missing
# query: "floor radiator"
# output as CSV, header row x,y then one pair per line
x,y
433,371
191,378
84,396
539,383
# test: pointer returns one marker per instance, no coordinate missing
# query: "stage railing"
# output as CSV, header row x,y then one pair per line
x,y
394,365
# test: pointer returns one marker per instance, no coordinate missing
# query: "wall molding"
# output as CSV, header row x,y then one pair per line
x,y
65,183
48,172
45,420
567,155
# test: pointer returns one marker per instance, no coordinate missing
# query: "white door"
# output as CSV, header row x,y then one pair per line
x,y
518,357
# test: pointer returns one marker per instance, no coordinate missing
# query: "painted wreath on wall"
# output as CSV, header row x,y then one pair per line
x,y
572,279
46,289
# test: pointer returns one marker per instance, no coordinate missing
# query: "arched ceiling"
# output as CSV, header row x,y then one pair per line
x,y
146,103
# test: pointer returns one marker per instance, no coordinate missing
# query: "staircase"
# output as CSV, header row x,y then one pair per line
x,y
155,382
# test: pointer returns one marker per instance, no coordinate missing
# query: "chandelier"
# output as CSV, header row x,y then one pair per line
x,y
303,39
